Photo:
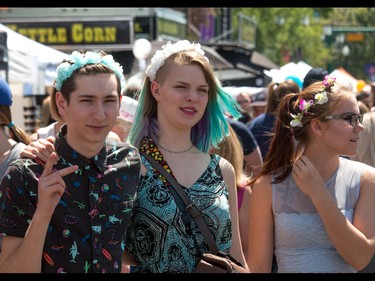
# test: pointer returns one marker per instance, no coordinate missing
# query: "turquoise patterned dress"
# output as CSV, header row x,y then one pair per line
x,y
157,236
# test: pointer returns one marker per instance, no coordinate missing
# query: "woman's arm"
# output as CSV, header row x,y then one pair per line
x,y
261,227
229,177
243,218
355,241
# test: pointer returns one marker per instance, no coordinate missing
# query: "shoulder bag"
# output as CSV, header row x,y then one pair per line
x,y
216,261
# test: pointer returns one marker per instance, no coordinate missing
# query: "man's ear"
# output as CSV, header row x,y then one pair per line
x,y
61,103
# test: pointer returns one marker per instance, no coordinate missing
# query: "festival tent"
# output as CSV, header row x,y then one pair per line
x,y
295,71
30,63
31,72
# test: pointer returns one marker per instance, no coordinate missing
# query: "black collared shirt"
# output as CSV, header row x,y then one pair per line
x,y
88,227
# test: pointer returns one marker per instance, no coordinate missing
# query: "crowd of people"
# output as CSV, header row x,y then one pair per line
x,y
285,185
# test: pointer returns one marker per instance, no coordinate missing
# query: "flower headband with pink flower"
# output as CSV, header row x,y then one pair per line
x,y
320,98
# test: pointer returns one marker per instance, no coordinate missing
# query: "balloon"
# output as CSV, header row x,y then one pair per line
x,y
141,48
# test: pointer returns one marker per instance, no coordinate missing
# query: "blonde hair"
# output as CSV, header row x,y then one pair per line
x,y
231,149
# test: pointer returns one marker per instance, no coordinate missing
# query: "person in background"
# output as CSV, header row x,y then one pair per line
x,y
126,118
262,127
12,138
363,108
244,100
315,74
46,111
258,104
133,85
296,80
251,152
180,116
52,128
129,104
365,99
70,213
231,149
311,207
366,142
366,154
372,87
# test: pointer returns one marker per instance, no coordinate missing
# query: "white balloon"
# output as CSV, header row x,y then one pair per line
x,y
142,48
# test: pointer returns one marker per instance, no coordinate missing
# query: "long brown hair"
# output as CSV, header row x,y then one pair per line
x,y
276,91
15,132
288,142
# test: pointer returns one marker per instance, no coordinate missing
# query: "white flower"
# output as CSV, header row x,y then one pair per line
x,y
167,50
321,98
296,122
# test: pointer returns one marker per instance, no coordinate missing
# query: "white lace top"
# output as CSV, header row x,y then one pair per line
x,y
301,242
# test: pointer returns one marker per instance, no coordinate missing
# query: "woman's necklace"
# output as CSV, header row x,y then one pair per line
x,y
172,151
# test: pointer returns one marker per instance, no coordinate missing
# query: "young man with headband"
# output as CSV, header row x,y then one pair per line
x,y
71,213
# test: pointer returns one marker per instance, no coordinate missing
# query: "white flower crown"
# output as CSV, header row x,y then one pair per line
x,y
77,60
167,50
320,98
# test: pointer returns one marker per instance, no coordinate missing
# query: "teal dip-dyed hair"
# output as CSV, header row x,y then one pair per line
x,y
213,126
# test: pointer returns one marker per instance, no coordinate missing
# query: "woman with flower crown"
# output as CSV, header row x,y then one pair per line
x,y
178,119
311,207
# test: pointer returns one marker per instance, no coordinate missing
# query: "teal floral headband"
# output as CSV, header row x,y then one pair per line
x,y
320,98
77,60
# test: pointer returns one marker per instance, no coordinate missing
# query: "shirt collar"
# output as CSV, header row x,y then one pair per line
x,y
71,156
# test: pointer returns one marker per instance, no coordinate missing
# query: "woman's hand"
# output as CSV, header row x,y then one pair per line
x,y
306,176
41,148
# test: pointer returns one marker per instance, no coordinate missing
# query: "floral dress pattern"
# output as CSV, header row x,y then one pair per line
x,y
157,236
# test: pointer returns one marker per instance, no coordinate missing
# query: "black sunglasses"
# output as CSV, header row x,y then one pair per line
x,y
354,119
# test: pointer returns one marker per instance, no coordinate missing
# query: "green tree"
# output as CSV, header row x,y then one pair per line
x,y
288,34
361,52
295,34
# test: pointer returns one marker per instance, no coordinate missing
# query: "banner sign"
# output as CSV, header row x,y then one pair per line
x,y
73,34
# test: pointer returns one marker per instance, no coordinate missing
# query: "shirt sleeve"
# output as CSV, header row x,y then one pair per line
x,y
17,207
246,137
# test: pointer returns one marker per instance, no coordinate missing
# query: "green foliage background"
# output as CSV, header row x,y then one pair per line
x,y
299,33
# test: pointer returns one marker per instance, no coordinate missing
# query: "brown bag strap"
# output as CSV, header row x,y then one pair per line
x,y
193,210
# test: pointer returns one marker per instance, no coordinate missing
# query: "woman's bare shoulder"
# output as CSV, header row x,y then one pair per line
x,y
263,183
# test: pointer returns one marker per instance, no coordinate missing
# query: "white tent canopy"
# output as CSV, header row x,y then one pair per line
x,y
30,63
291,69
235,91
